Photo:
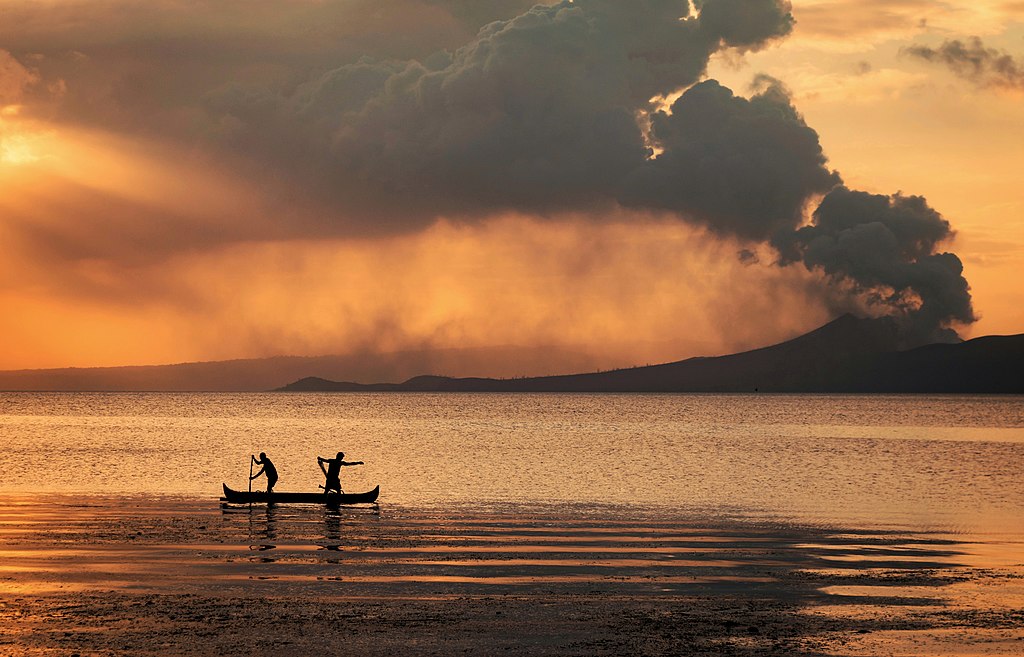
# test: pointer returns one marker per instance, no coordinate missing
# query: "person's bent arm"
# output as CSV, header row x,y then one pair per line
x,y
258,473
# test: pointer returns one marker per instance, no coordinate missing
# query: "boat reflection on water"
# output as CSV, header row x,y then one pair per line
x,y
300,527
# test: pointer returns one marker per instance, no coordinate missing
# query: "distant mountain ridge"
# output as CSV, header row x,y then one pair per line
x,y
848,354
262,374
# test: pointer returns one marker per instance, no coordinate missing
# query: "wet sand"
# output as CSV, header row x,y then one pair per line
x,y
159,576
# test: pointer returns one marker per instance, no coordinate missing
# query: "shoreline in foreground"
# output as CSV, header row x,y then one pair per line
x,y
193,578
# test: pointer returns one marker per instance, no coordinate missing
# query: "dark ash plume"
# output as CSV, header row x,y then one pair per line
x,y
551,111
987,67
740,167
540,114
885,248
537,114
745,24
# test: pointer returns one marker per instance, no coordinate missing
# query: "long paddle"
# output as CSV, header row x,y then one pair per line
x,y
251,457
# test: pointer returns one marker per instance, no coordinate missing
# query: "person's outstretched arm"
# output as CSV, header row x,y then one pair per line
x,y
352,463
258,473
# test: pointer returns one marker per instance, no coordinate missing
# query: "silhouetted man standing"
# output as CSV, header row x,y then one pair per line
x,y
268,468
333,470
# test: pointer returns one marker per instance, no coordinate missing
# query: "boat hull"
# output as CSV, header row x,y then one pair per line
x,y
331,499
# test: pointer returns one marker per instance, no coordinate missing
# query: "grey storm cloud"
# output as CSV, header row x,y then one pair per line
x,y
975,62
740,167
744,24
146,67
537,113
542,113
557,109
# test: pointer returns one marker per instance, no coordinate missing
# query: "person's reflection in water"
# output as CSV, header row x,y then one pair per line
x,y
261,538
270,530
332,529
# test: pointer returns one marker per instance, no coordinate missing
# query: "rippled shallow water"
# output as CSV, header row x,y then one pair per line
x,y
161,575
913,461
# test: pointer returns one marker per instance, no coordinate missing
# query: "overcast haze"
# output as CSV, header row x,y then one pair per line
x,y
647,180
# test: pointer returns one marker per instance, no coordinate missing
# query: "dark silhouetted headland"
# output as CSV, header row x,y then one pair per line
x,y
262,374
846,355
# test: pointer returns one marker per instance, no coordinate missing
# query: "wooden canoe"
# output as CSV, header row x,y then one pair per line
x,y
331,499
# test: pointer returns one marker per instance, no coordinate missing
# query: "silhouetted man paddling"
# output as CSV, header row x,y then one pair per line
x,y
333,470
268,469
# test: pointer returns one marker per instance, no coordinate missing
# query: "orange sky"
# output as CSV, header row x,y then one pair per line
x,y
133,231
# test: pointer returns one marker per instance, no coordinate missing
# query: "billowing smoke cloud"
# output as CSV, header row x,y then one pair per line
x,y
884,247
538,113
987,67
741,167
560,110
748,168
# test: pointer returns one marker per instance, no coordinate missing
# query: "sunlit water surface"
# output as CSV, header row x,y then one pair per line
x,y
919,462
867,525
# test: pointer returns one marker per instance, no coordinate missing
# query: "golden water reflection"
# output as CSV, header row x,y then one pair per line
x,y
936,584
915,462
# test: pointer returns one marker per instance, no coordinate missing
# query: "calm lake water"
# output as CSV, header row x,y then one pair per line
x,y
920,462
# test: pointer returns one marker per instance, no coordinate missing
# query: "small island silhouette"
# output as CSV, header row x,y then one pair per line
x,y
849,354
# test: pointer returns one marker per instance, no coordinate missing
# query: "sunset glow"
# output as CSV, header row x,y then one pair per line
x,y
143,222
520,327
